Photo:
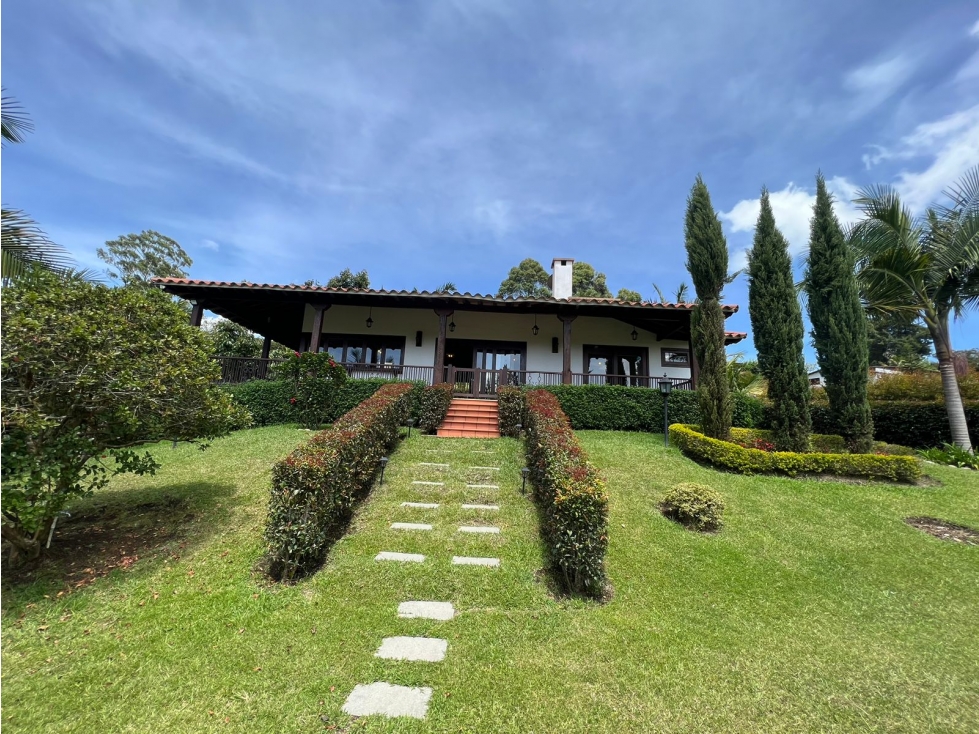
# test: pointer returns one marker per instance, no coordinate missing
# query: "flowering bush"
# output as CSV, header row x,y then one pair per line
x,y
315,487
571,494
316,377
435,402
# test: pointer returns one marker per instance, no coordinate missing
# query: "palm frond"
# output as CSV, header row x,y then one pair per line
x,y
14,121
25,245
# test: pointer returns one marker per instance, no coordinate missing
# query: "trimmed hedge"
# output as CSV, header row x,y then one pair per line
x,y
315,487
819,442
621,408
512,407
726,455
434,406
571,495
269,401
915,424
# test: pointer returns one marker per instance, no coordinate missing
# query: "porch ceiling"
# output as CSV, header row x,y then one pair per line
x,y
277,311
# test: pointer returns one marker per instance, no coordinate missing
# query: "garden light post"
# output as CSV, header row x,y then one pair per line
x,y
664,387
411,422
384,463
519,428
523,473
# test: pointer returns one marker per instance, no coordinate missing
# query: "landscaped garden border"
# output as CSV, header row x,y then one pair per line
x,y
434,405
731,456
315,487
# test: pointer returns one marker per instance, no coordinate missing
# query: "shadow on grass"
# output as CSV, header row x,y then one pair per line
x,y
121,529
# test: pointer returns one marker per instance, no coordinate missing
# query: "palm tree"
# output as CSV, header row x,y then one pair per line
x,y
23,245
923,267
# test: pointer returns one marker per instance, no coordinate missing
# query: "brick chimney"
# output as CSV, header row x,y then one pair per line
x,y
561,281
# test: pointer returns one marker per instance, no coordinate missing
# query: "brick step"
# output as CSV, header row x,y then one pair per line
x,y
472,409
472,414
467,426
466,433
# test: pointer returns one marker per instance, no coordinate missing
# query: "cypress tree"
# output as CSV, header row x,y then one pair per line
x,y
776,326
707,263
839,325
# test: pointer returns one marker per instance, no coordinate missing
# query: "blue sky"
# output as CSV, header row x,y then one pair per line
x,y
436,141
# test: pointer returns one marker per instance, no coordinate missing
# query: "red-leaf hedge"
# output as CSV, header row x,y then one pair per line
x,y
315,487
571,494
435,402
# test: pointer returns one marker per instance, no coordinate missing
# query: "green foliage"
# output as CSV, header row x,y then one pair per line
x,y
819,443
678,296
587,282
952,455
893,339
229,339
915,424
776,325
839,325
315,487
347,279
571,495
625,294
89,373
526,279
435,402
317,378
512,410
707,263
138,258
919,386
731,456
695,505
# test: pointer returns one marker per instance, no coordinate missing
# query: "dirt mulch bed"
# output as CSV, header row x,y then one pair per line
x,y
944,530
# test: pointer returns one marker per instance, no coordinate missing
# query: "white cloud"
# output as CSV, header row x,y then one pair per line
x,y
210,245
974,31
497,216
872,84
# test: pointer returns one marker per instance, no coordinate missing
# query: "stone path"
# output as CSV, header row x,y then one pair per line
x,y
386,699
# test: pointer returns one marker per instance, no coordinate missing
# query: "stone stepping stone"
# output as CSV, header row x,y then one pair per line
x,y
422,505
431,484
470,561
400,557
485,468
482,486
410,526
416,649
443,611
386,699
429,463
480,507
479,529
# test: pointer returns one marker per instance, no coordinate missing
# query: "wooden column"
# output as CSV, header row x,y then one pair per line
x,y
196,314
266,346
314,339
566,368
443,315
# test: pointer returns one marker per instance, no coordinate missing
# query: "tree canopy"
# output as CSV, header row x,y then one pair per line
x,y
229,339
526,279
895,340
348,279
586,282
135,259
625,294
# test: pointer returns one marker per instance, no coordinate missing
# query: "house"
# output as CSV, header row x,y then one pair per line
x,y
475,342
816,376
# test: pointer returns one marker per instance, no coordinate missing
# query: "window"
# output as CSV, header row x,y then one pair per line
x,y
676,357
615,365
373,350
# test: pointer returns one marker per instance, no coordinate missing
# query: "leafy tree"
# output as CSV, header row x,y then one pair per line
x,y
625,294
88,374
895,340
679,295
707,263
229,339
776,323
971,357
586,282
347,279
138,258
446,287
526,279
839,325
924,267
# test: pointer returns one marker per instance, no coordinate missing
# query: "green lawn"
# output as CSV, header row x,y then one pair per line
x,y
816,609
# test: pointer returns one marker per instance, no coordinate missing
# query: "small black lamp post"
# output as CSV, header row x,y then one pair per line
x,y
525,472
519,428
384,463
665,385
411,422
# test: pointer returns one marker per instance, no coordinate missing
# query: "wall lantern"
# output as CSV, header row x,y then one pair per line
x,y
418,338
536,329
370,319
553,345
635,335
452,325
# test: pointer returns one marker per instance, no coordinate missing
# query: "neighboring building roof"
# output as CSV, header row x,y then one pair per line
x,y
255,305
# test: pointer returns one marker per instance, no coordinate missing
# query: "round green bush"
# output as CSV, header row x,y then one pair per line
x,y
695,505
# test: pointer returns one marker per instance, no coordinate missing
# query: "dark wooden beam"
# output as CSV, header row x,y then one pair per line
x,y
266,346
197,313
443,315
314,340
566,367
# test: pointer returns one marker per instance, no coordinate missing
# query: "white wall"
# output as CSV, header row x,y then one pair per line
x,y
501,327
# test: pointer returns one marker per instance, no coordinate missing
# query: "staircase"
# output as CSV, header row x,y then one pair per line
x,y
469,418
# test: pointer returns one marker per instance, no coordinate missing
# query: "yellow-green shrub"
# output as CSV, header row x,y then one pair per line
x,y
726,455
695,505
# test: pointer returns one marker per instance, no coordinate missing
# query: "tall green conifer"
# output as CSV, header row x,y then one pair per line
x,y
776,326
839,325
707,263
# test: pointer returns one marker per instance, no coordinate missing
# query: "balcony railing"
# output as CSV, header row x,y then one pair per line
x,y
467,381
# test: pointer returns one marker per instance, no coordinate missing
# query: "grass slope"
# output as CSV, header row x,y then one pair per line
x,y
816,609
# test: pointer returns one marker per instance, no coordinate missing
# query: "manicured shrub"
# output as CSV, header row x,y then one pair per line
x,y
695,505
730,456
571,495
920,386
435,402
315,487
758,438
918,425
512,407
317,379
